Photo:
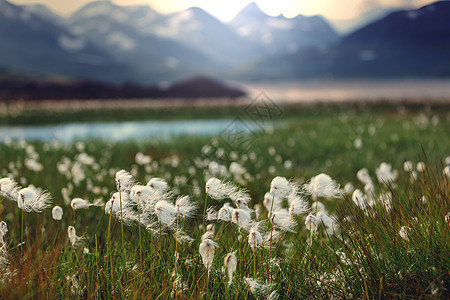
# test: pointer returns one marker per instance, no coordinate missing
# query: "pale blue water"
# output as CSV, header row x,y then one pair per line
x,y
123,130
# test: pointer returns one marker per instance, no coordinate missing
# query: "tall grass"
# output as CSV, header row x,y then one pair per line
x,y
366,258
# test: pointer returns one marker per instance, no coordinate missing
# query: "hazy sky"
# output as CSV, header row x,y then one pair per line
x,y
226,9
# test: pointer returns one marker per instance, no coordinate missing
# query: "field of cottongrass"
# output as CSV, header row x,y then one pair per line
x,y
346,204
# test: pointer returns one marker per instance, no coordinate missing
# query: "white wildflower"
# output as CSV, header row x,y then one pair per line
x,y
312,222
225,212
408,166
206,250
78,203
420,166
211,214
230,262
75,240
31,200
3,231
318,206
255,238
257,210
242,218
363,176
323,186
404,232
297,205
8,188
330,224
57,213
349,188
209,234
219,190
282,220
185,207
158,184
165,212
446,171
142,159
242,204
359,199
385,174
280,187
124,181
269,198
257,288
369,189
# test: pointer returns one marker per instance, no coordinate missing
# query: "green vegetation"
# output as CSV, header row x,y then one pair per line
x,y
366,257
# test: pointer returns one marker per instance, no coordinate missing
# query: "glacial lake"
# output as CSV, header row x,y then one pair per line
x,y
124,130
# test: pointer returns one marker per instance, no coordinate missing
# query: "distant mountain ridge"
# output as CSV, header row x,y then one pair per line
x,y
111,43
408,43
282,35
104,41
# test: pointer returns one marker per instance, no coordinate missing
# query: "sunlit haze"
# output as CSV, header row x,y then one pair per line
x,y
226,10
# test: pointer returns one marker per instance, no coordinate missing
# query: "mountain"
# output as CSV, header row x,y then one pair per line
x,y
43,12
192,30
345,27
31,44
124,33
407,43
140,17
281,35
106,42
198,29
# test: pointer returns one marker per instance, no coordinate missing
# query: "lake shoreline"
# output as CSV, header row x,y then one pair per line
x,y
118,104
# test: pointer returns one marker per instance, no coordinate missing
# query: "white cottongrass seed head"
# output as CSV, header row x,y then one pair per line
x,y
124,181
255,238
363,176
158,184
79,203
3,231
241,218
421,166
359,199
185,207
8,188
57,213
349,188
75,240
225,212
404,232
323,186
230,262
312,222
280,187
269,198
297,205
207,250
408,166
166,213
215,188
258,288
31,200
282,220
385,174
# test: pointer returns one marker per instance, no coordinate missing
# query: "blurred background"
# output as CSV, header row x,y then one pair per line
x,y
297,50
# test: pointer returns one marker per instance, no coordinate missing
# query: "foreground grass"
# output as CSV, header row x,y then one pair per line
x,y
366,258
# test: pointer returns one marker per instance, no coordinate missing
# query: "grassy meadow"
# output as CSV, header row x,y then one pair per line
x,y
393,241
